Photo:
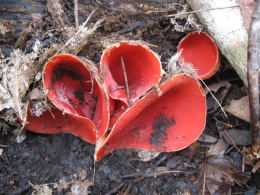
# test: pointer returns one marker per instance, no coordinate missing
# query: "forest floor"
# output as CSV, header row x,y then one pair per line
x,y
64,164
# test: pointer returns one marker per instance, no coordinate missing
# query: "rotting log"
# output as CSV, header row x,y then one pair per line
x,y
20,12
227,28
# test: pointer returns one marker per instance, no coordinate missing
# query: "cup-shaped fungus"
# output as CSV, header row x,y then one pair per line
x,y
77,94
169,118
199,50
129,70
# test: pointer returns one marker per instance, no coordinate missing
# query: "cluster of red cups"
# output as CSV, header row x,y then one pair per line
x,y
123,104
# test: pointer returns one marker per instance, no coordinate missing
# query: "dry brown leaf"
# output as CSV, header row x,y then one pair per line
x,y
222,173
216,86
218,148
207,138
146,155
239,108
240,137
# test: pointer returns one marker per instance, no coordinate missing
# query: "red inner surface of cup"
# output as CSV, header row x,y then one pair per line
x,y
201,51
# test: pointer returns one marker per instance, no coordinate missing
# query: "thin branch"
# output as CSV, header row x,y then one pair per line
x,y
203,10
76,13
126,82
232,141
253,62
205,172
222,109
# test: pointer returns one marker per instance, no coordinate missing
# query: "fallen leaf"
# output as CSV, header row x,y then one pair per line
x,y
207,138
146,155
219,91
222,173
218,148
240,137
42,189
239,108
216,86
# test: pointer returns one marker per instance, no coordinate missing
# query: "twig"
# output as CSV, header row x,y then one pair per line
x,y
116,88
142,175
160,173
222,109
204,173
253,62
227,174
232,141
116,189
202,10
74,39
126,82
243,159
126,192
229,149
76,13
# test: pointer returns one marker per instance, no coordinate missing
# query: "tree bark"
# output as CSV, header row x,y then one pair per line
x,y
253,75
227,29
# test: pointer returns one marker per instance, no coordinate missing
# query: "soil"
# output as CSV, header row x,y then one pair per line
x,y
48,159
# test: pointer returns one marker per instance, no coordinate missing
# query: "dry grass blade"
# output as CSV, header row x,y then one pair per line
x,y
75,44
126,81
232,141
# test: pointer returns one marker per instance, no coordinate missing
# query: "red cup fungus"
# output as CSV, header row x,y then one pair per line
x,y
123,105
168,118
199,50
73,90
129,70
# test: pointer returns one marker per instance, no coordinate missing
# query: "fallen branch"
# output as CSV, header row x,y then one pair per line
x,y
253,76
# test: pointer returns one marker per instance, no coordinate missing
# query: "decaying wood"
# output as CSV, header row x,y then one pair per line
x,y
227,29
253,75
56,10
20,13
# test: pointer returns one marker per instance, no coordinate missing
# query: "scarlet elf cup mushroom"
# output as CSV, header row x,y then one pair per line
x,y
80,101
199,50
129,69
124,97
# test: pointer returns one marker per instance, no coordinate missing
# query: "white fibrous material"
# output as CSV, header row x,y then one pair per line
x,y
38,108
